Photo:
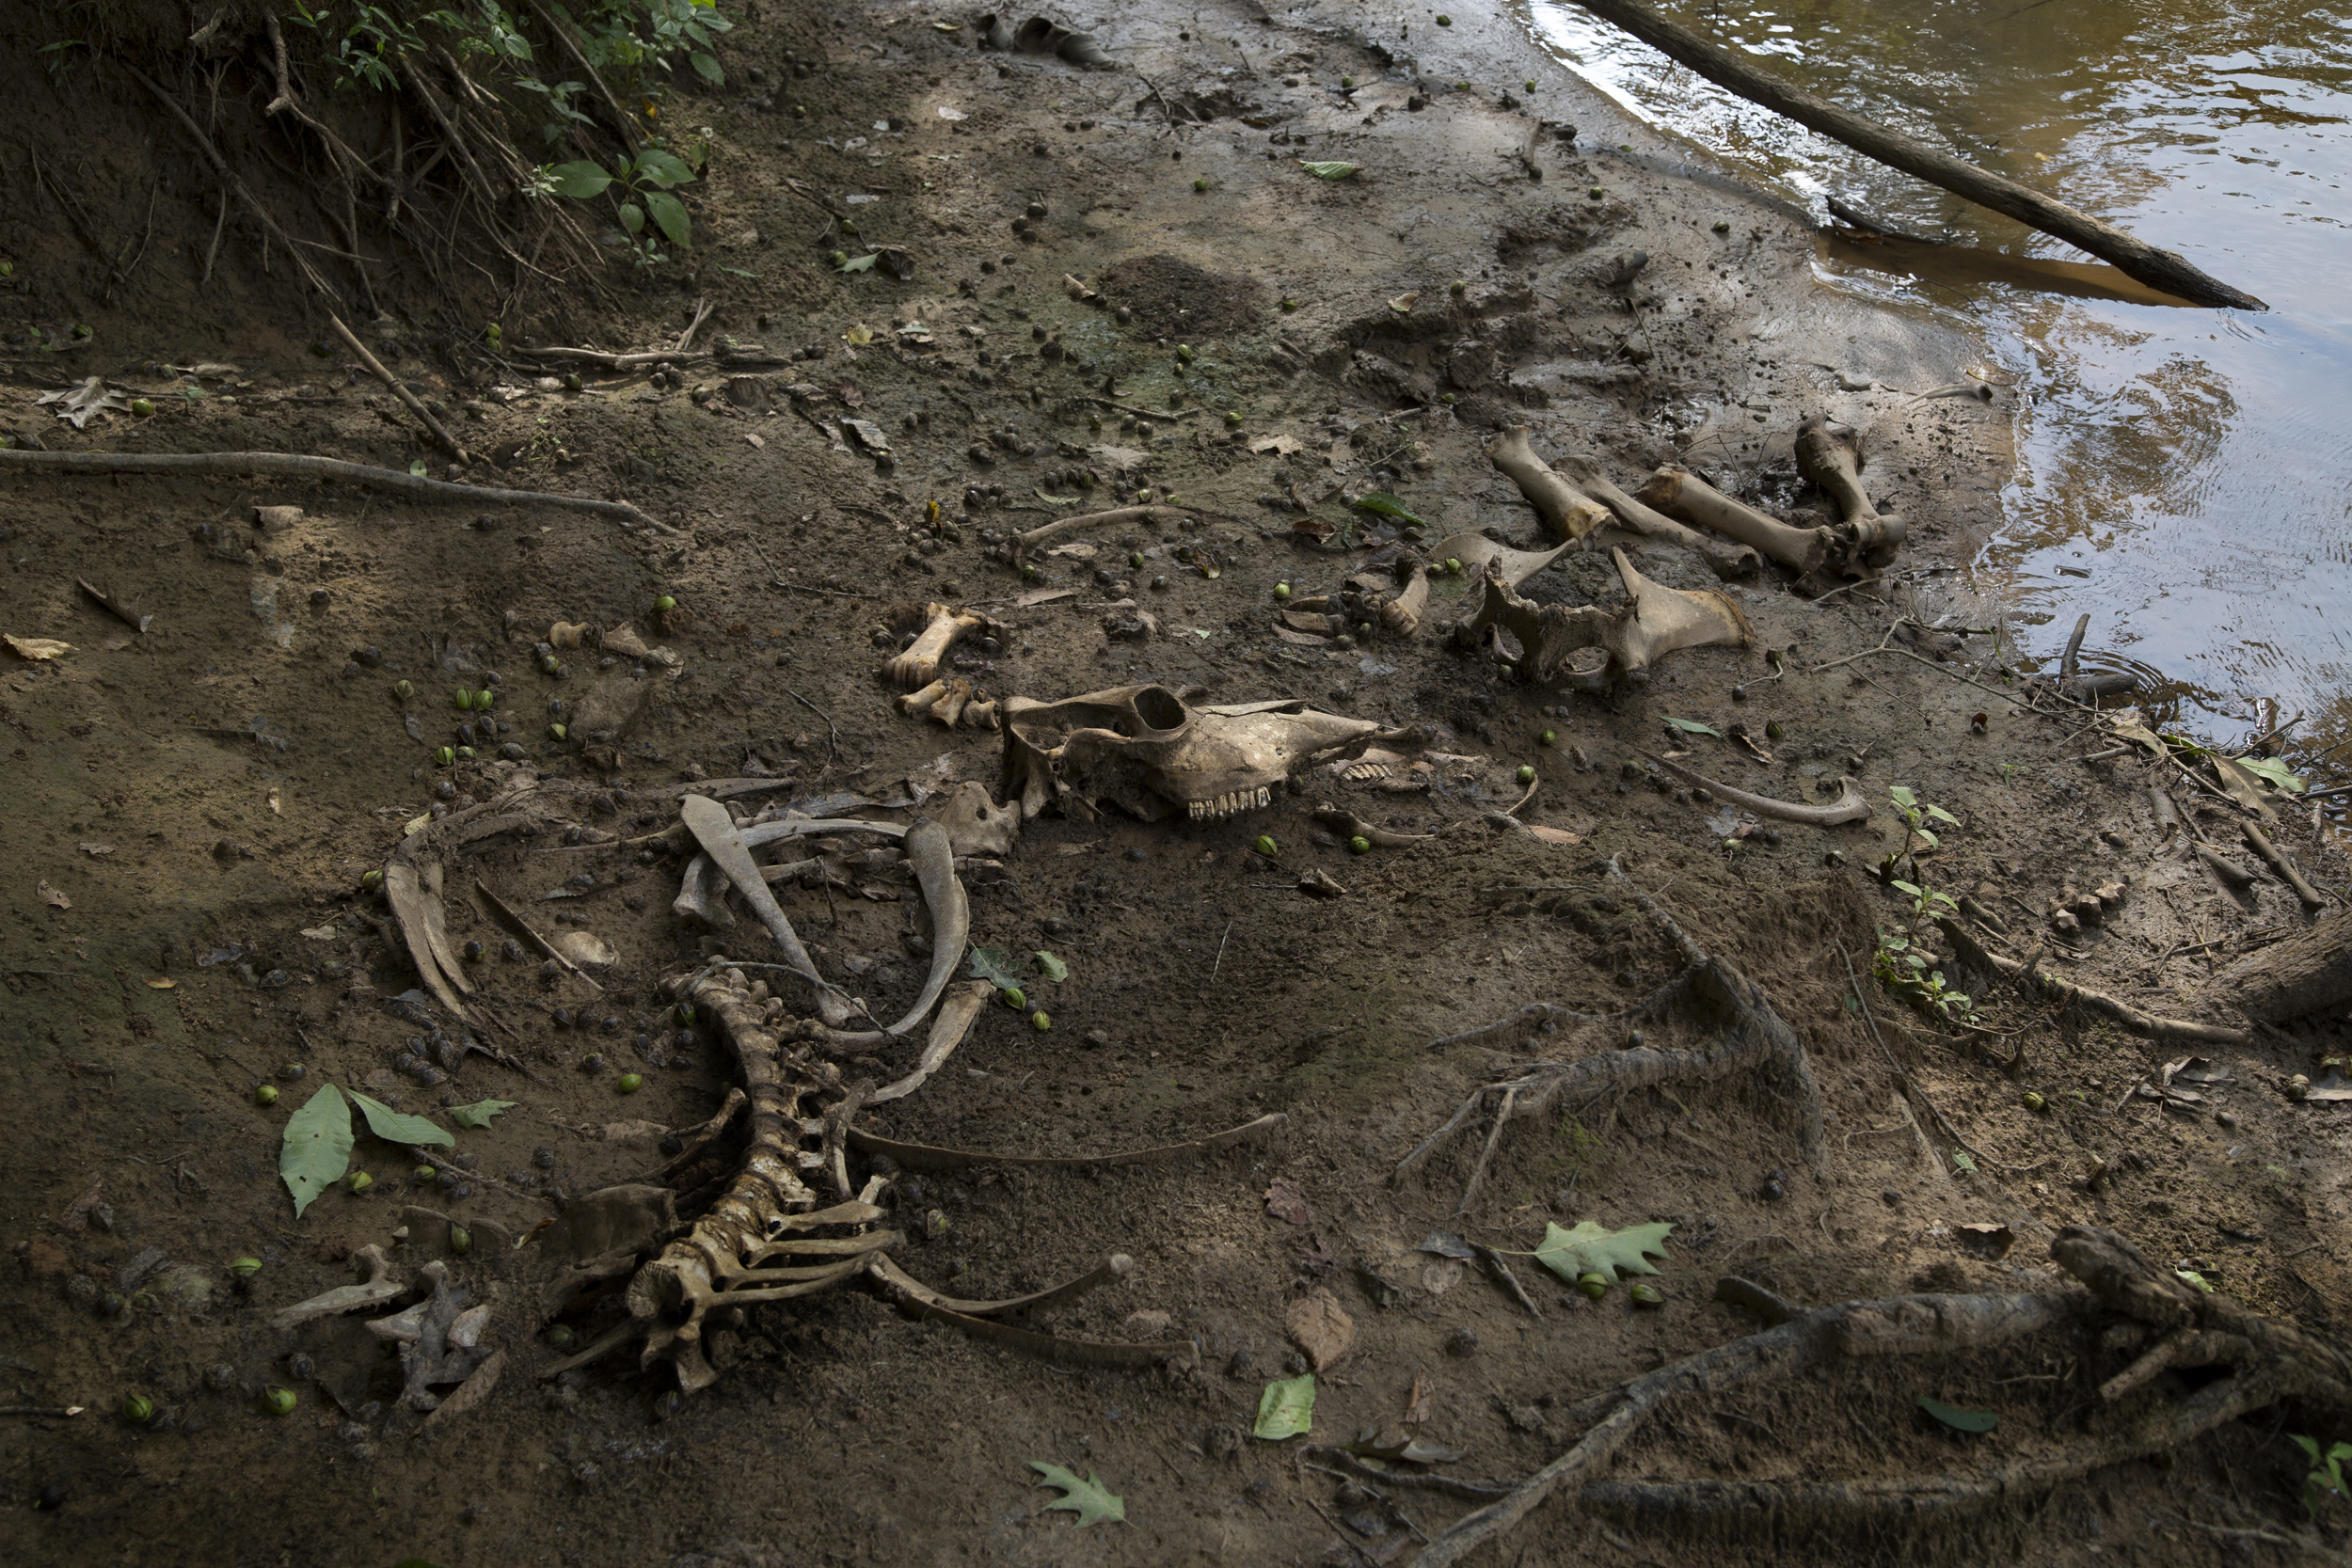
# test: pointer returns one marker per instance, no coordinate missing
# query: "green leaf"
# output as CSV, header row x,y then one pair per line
x,y
663,170
417,469
1589,1249
1962,1161
1691,726
1286,1409
580,180
1957,1419
479,1113
1329,171
860,263
1943,816
1912,888
1052,967
632,218
394,1128
1086,1499
670,212
1903,796
317,1147
706,67
2276,772
1387,506
996,966
1926,838
2197,1279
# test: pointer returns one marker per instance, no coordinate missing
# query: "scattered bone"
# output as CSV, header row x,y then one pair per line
x,y
1318,883
431,1359
1852,805
1120,517
1566,510
948,1030
1830,455
2072,909
1474,550
585,950
919,665
979,826
379,1287
476,1388
1659,622
1113,1270
717,833
569,634
1348,825
1727,560
1140,748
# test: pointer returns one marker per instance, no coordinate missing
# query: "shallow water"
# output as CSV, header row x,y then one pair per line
x,y
2193,463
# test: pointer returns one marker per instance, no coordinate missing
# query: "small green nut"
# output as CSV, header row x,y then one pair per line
x,y
425,1173
465,754
1774,730
1593,1285
266,1094
1444,21
1595,193
483,699
1528,84
372,882
629,1082
1360,844
1288,305
280,1401
1266,847
1184,353
1015,998
1199,186
1527,775
665,604
934,1224
2033,1102
1282,590
571,381
245,1268
358,1181
1233,418
1645,1294
840,258
1094,421
460,1240
141,407
1454,565
1347,83
465,700
685,1014
1028,571
550,664
137,1409
1457,287
1722,226
849,226
1040,1021
556,732
403,690
445,756
1134,560
494,332
562,1338
1546,738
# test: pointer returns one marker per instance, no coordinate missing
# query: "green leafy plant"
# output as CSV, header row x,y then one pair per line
x,y
1915,814
1903,970
641,186
2326,1479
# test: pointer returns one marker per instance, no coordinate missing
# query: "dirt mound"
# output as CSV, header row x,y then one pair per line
x,y
1173,298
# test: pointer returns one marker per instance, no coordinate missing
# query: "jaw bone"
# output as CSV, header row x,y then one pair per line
x,y
1658,621
1143,749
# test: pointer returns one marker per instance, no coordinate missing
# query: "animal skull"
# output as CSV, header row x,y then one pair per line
x,y
1140,748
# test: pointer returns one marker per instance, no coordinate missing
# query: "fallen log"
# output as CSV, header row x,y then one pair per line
x,y
2309,973
2159,269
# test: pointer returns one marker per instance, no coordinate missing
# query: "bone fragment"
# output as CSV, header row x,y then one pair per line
x,y
1052,1348
716,831
1729,560
934,860
1830,456
1473,550
1680,493
1348,825
469,1393
979,826
948,1030
347,1298
1659,622
1564,510
919,665
1118,1266
916,704
1124,517
698,900
950,707
1850,806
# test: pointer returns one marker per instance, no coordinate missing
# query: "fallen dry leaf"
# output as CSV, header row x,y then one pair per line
x,y
52,898
1044,595
1281,445
1417,1402
37,647
1554,835
78,402
88,849
1321,1327
1284,1202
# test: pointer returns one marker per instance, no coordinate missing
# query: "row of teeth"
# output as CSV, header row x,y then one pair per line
x,y
1231,804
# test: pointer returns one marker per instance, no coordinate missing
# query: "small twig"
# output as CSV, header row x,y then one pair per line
x,y
42,1409
832,749
701,314
375,366
1221,952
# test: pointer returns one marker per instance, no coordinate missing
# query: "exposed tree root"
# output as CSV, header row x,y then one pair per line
x,y
290,466
2272,1360
1747,1036
2146,1025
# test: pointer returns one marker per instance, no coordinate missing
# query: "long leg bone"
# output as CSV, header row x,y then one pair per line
x,y
1680,493
1566,510
1830,456
919,665
1729,560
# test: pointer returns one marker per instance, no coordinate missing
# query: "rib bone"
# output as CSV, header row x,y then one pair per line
x,y
1850,806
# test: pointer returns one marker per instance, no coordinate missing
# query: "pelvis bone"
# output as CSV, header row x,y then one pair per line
x,y
1141,748
1586,647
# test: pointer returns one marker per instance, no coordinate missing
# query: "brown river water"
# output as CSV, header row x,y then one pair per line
x,y
2184,476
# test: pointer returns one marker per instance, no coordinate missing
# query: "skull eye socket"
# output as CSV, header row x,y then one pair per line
x,y
1157,706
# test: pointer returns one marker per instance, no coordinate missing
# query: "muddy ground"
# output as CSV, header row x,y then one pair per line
x,y
192,809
